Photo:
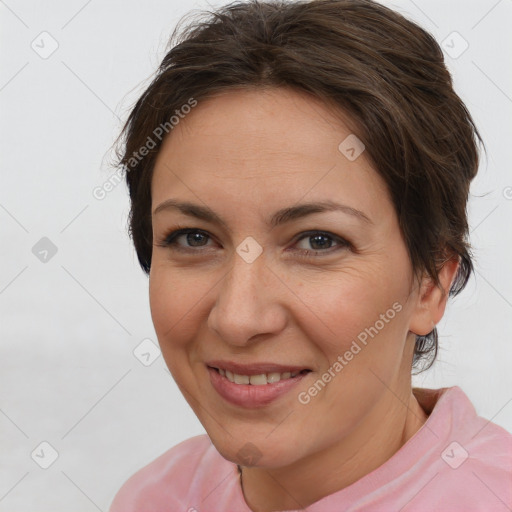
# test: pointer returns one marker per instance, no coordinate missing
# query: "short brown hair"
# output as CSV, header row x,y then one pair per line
x,y
384,71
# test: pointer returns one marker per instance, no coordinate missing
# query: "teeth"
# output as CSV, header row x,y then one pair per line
x,y
241,379
273,377
257,380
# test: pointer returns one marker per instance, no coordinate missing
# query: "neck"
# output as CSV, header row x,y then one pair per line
x,y
378,437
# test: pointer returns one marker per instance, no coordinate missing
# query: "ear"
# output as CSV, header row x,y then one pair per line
x,y
432,299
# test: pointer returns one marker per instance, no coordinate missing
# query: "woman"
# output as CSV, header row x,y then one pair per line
x,y
298,176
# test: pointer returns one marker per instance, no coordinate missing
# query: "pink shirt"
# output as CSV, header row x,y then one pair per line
x,y
457,461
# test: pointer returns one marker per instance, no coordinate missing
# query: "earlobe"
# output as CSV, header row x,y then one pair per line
x,y
432,299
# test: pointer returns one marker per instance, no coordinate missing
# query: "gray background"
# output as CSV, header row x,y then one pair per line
x,y
70,321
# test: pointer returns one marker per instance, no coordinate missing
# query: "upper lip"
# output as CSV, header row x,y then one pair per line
x,y
255,368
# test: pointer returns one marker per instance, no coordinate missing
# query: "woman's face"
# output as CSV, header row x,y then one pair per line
x,y
264,283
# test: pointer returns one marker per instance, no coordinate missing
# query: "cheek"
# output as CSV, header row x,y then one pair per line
x,y
161,301
176,301
360,327
363,321
338,307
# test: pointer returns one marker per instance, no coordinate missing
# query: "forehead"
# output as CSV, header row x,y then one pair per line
x,y
271,145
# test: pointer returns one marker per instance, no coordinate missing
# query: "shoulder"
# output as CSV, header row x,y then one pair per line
x,y
477,439
166,482
474,459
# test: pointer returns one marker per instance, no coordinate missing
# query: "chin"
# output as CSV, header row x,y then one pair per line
x,y
257,453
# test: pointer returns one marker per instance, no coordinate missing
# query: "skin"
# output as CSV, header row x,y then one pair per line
x,y
246,154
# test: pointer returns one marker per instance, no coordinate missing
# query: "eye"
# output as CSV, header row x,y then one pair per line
x,y
315,242
189,238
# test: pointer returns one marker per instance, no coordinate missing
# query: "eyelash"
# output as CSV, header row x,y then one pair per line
x,y
170,241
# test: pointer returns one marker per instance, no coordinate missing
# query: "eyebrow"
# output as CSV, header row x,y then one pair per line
x,y
280,217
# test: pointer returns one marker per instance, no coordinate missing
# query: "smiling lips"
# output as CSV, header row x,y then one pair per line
x,y
255,368
256,374
259,379
253,385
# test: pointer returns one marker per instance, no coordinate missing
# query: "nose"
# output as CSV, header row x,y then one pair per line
x,y
247,304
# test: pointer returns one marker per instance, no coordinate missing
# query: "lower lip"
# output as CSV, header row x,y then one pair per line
x,y
248,395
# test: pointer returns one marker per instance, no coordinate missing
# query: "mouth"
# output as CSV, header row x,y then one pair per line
x,y
259,379
256,385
